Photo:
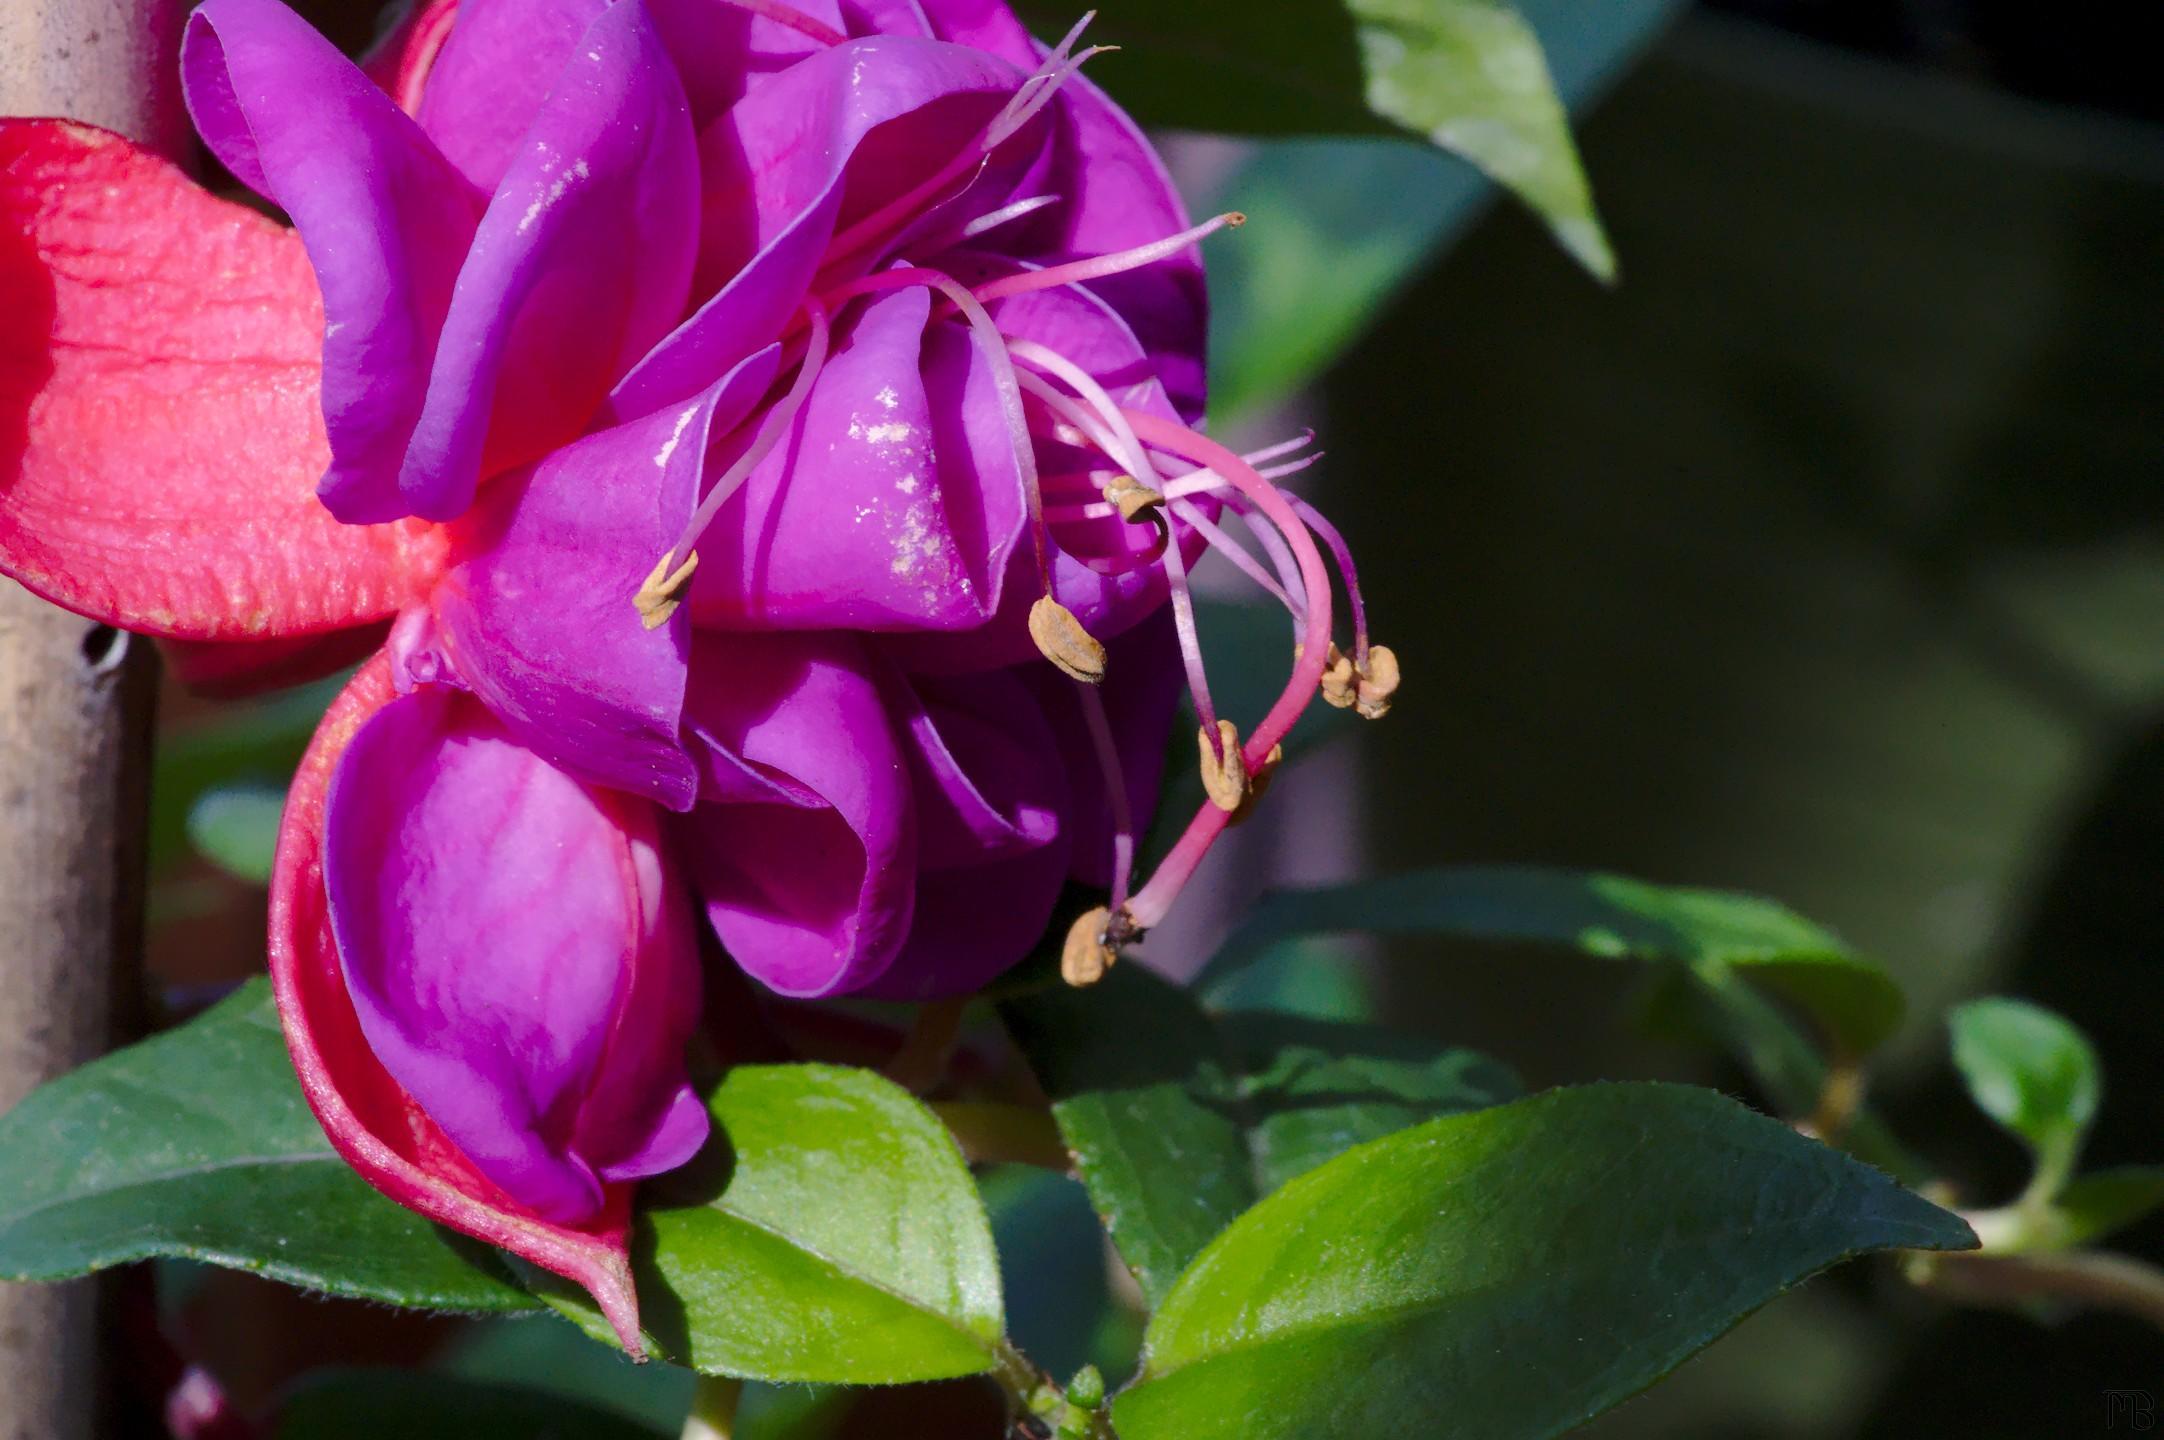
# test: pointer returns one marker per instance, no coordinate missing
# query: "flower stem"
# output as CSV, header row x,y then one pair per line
x,y
2097,1279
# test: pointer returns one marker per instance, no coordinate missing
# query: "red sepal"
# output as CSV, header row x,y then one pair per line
x,y
160,427
371,1120
401,60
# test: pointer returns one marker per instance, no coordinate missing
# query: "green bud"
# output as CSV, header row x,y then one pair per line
x,y
1087,1389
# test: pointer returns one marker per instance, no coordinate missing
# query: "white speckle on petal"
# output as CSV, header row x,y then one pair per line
x,y
558,188
668,446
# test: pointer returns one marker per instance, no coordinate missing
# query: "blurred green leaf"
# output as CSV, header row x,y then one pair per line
x,y
197,1144
235,827
1339,226
831,1232
1514,1271
1855,1001
1467,76
2095,1205
415,1405
1179,1121
548,1355
255,741
2032,1071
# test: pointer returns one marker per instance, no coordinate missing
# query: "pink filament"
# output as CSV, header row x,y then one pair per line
x,y
1076,272
778,421
1346,572
1149,905
1115,778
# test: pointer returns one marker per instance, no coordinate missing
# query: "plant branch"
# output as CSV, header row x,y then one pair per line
x,y
2095,1279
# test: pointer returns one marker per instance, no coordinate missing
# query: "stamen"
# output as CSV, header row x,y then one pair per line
x,y
1149,904
1346,572
1063,641
663,591
1115,781
1234,551
675,568
1378,682
1089,951
1224,771
1076,272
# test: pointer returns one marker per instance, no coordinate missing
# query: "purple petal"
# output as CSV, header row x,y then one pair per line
x,y
806,856
799,158
538,617
386,221
722,49
886,17
895,501
1119,195
1143,685
497,921
1082,327
991,786
579,266
492,74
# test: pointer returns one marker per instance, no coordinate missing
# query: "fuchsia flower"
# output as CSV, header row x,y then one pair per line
x,y
718,411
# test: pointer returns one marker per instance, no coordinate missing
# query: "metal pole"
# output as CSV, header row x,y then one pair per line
x,y
75,715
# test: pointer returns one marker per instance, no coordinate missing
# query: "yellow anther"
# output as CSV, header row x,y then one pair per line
x,y
1089,951
1133,498
1378,682
1064,642
664,590
1339,679
1224,775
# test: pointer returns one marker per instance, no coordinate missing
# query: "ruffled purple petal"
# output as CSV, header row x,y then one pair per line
x,y
723,50
492,74
806,854
990,785
497,921
1079,325
894,502
581,263
386,221
804,154
537,614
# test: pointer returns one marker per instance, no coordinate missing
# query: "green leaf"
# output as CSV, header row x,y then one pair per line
x,y
1852,998
1514,1271
2032,1071
198,1145
2095,1205
1179,1121
1468,76
235,827
369,1404
830,1233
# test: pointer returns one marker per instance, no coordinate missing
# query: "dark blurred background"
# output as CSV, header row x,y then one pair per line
x,y
1819,558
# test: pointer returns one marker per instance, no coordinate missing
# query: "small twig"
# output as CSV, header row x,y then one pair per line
x,y
991,1132
2097,1279
921,1063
